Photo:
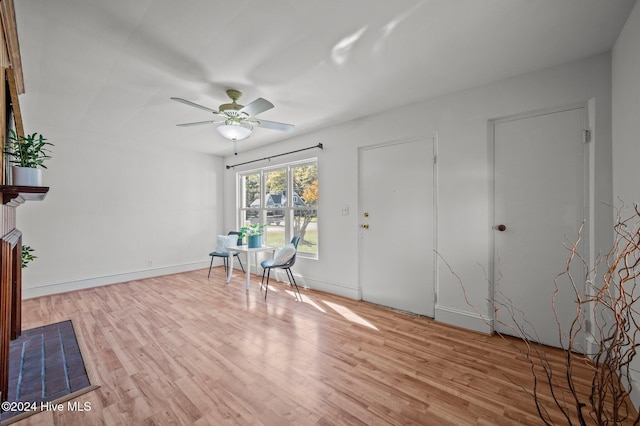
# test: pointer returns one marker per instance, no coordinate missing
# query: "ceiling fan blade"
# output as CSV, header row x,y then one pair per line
x,y
198,123
256,107
186,102
274,125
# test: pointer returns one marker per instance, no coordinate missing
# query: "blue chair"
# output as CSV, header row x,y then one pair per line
x,y
225,256
284,259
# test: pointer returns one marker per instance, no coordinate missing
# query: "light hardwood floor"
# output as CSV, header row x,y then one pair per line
x,y
184,349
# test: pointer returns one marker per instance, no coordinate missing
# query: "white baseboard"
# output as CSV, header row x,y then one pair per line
x,y
329,287
311,283
63,287
463,319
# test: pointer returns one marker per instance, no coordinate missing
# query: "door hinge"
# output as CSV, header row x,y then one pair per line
x,y
586,136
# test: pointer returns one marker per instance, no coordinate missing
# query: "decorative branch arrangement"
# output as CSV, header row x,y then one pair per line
x,y
613,299
607,315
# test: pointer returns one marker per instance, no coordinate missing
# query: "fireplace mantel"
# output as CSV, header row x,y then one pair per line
x,y
13,195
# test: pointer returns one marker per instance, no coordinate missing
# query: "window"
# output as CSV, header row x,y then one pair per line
x,y
285,199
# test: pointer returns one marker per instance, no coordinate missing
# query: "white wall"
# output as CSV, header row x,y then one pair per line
x,y
460,120
626,143
626,110
115,213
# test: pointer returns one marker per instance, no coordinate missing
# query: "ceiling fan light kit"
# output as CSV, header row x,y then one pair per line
x,y
237,121
235,131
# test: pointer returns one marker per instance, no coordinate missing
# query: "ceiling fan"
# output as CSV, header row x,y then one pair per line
x,y
239,120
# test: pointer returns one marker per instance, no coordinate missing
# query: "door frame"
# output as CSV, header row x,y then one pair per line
x,y
434,138
589,187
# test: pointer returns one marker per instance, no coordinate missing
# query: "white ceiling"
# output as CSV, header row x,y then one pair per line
x,y
96,67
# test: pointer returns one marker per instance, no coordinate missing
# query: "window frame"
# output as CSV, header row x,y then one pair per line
x,y
289,210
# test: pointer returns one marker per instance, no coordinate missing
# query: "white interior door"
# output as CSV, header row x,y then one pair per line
x,y
397,220
540,179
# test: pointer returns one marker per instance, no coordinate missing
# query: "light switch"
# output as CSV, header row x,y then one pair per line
x,y
345,209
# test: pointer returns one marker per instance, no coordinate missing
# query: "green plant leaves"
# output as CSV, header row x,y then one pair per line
x,y
27,255
251,230
28,151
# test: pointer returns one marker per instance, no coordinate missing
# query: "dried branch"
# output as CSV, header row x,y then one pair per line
x,y
606,313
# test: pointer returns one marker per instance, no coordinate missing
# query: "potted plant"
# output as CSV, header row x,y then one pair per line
x,y
27,153
254,234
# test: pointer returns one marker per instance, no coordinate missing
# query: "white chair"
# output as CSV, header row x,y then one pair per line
x,y
285,258
221,250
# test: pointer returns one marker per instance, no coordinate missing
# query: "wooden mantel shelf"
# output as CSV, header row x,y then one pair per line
x,y
13,195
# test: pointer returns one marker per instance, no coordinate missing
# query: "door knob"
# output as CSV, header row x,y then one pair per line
x,y
365,226
501,228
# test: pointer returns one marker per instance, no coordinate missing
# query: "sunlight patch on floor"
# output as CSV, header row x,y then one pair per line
x,y
350,315
305,299
272,288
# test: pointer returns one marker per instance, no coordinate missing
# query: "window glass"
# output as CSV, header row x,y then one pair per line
x,y
275,183
250,198
290,205
305,206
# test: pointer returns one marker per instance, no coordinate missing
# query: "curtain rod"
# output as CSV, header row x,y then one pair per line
x,y
274,156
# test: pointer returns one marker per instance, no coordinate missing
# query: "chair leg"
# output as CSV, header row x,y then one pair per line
x,y
210,265
290,274
266,289
240,260
224,261
262,281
